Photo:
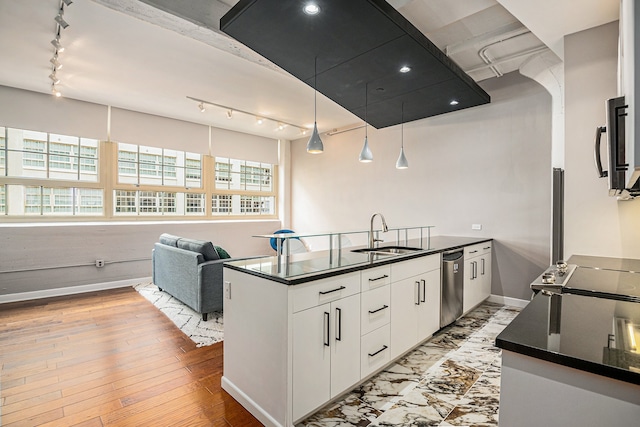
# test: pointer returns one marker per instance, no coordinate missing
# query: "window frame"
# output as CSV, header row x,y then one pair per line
x,y
195,204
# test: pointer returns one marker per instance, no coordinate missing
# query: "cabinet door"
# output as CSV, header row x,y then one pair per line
x,y
311,359
429,308
485,276
404,315
469,282
345,344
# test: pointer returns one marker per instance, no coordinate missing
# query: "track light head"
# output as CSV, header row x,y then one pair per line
x,y
67,2
56,43
54,78
61,20
201,107
55,91
56,64
229,114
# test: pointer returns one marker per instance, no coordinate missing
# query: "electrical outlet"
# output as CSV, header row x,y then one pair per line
x,y
476,226
227,290
99,263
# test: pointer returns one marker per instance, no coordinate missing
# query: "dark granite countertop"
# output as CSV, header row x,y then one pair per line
x,y
597,335
305,267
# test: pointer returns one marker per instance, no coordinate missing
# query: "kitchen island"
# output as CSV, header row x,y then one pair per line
x,y
571,357
300,335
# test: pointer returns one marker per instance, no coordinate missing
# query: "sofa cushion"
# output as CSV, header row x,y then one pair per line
x,y
221,252
169,240
200,246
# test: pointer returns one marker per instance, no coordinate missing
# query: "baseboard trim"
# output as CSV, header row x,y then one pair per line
x,y
71,290
249,404
514,302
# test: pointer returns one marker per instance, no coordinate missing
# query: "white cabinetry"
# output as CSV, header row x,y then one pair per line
x,y
375,315
415,302
477,275
326,341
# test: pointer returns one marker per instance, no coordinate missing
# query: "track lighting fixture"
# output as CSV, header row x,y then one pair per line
x,y
56,43
54,78
315,145
67,2
232,112
55,91
56,64
60,20
366,156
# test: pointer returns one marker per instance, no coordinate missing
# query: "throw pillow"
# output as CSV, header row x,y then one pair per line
x,y
221,252
200,246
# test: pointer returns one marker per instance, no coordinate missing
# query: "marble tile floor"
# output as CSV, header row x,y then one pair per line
x,y
451,380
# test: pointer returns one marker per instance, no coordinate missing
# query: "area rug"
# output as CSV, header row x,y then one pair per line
x,y
202,333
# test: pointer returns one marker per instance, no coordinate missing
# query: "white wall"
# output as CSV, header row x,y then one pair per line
x,y
488,165
595,224
41,257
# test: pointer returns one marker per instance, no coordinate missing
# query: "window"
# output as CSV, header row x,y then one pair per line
x,y
3,200
46,175
243,188
157,203
141,165
48,156
51,201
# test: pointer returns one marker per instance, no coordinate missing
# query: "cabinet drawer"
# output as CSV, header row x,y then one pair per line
x,y
375,350
486,248
376,309
326,290
375,277
474,250
405,269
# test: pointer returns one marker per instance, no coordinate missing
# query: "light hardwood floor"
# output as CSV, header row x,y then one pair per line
x,y
107,358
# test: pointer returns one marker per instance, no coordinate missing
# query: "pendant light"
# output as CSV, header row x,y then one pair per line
x,y
366,156
402,160
315,146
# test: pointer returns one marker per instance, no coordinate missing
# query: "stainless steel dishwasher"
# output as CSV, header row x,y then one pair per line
x,y
452,286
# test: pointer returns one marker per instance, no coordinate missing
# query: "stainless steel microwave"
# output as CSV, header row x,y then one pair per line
x,y
618,166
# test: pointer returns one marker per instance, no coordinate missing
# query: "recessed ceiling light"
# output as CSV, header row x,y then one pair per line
x,y
405,69
311,9
454,102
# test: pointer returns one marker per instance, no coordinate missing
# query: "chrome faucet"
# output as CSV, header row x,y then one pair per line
x,y
384,229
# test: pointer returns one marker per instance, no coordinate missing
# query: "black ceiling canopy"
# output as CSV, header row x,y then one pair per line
x,y
358,44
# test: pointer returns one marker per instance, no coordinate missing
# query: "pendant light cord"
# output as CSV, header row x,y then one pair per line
x,y
366,103
402,126
315,89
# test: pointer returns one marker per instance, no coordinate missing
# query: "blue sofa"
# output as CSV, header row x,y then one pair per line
x,y
191,271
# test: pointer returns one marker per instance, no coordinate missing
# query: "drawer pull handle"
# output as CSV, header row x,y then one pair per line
x,y
473,252
424,290
380,309
326,341
378,278
488,247
333,290
384,347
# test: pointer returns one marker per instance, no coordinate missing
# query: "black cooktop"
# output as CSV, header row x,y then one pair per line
x,y
612,278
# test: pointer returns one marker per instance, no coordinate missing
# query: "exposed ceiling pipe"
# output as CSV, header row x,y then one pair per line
x,y
488,61
508,58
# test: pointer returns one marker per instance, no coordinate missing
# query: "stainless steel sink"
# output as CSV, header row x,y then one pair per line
x,y
388,250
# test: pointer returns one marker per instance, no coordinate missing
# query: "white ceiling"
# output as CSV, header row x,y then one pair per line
x,y
129,54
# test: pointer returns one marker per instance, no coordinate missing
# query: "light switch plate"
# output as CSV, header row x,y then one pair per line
x,y
476,226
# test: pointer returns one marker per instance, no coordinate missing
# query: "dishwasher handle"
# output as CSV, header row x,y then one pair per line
x,y
452,256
